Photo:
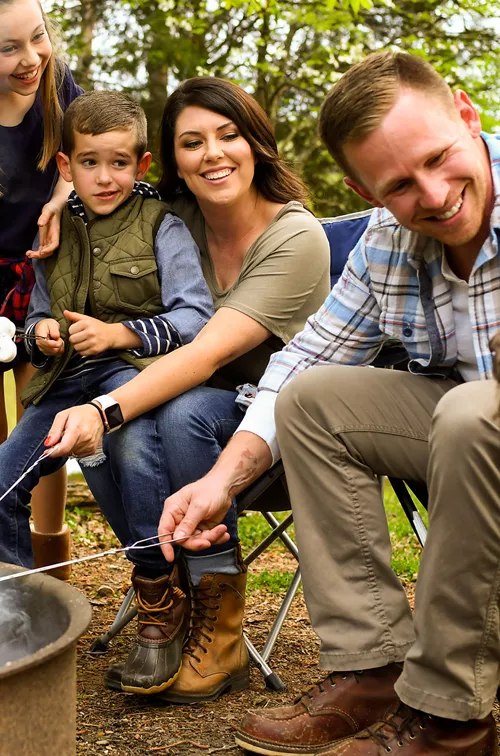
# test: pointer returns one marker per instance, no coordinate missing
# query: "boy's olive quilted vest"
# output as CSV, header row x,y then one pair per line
x,y
106,269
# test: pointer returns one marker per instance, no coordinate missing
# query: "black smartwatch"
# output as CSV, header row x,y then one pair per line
x,y
110,412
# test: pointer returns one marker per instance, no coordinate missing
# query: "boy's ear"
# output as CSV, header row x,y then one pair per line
x,y
143,166
64,167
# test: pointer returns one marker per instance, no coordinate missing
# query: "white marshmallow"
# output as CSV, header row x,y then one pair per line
x,y
8,349
7,328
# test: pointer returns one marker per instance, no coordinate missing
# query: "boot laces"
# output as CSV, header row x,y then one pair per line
x,y
203,614
318,688
152,614
402,723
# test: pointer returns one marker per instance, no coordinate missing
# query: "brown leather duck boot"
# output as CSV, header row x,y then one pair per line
x,y
334,709
163,618
52,548
412,733
215,657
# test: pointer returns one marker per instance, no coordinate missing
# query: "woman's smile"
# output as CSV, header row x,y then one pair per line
x,y
213,158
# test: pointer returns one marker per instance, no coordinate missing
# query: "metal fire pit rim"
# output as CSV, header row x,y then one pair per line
x,y
80,615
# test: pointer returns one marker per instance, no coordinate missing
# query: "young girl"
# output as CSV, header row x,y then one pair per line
x,y
35,89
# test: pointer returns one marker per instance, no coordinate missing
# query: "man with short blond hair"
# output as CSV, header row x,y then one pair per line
x,y
426,272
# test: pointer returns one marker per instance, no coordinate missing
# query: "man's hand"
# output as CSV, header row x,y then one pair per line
x,y
49,224
89,335
199,506
76,431
49,339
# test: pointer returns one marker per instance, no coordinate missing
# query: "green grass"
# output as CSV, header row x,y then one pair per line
x,y
273,581
405,547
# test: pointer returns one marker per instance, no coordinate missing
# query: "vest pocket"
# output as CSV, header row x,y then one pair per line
x,y
135,283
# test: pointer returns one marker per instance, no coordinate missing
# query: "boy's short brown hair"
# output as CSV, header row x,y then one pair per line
x,y
361,99
101,111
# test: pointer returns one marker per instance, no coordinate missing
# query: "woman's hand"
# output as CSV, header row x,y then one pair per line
x,y
49,224
76,431
199,506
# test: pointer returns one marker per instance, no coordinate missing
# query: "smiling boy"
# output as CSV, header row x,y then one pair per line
x,y
124,287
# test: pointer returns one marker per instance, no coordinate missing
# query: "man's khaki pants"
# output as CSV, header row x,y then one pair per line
x,y
338,427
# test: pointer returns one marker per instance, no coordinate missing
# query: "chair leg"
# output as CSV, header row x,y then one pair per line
x,y
280,532
272,680
281,615
410,509
126,614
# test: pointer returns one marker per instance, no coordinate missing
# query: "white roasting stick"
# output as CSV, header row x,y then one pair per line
x,y
144,543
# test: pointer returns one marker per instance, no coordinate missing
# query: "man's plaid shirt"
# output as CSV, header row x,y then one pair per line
x,y
392,287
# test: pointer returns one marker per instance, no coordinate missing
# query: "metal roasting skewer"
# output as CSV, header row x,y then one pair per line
x,y
144,543
45,454
21,334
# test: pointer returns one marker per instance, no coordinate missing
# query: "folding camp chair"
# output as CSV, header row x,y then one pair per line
x,y
269,494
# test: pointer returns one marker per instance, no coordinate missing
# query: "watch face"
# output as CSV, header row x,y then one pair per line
x,y
114,415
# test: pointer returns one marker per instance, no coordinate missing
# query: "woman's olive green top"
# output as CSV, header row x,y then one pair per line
x,y
285,277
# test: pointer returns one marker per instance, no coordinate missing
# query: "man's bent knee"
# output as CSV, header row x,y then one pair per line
x,y
466,412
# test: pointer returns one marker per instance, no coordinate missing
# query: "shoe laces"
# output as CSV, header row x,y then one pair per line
x,y
203,615
152,614
401,724
333,677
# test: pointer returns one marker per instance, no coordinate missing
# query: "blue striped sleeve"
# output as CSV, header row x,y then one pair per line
x,y
157,334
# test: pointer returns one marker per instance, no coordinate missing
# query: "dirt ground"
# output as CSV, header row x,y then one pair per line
x,y
126,725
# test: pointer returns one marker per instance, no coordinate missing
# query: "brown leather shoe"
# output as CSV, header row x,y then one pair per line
x,y
163,617
215,658
412,733
336,708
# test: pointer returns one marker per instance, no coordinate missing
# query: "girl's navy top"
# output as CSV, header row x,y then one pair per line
x,y
23,188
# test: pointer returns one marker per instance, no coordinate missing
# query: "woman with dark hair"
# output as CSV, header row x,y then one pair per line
x,y
266,261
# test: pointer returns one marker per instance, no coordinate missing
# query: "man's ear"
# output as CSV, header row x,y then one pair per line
x,y
64,166
467,112
361,191
143,166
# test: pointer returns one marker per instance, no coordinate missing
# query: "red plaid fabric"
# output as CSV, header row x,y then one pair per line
x,y
15,302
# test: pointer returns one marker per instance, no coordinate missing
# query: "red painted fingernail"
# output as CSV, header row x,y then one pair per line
x,y
47,441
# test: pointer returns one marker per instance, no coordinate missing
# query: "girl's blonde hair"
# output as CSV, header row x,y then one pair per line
x,y
50,85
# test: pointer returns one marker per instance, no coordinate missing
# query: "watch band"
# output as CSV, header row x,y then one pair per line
x,y
110,411
102,414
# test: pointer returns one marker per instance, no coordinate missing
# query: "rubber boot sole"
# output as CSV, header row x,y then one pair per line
x,y
113,680
240,681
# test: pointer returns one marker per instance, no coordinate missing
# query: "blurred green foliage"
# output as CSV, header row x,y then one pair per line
x,y
287,53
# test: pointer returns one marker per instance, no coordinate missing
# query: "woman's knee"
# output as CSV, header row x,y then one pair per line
x,y
182,411
201,412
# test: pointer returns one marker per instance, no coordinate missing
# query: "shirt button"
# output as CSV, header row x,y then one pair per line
x,y
407,331
96,250
134,269
97,284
